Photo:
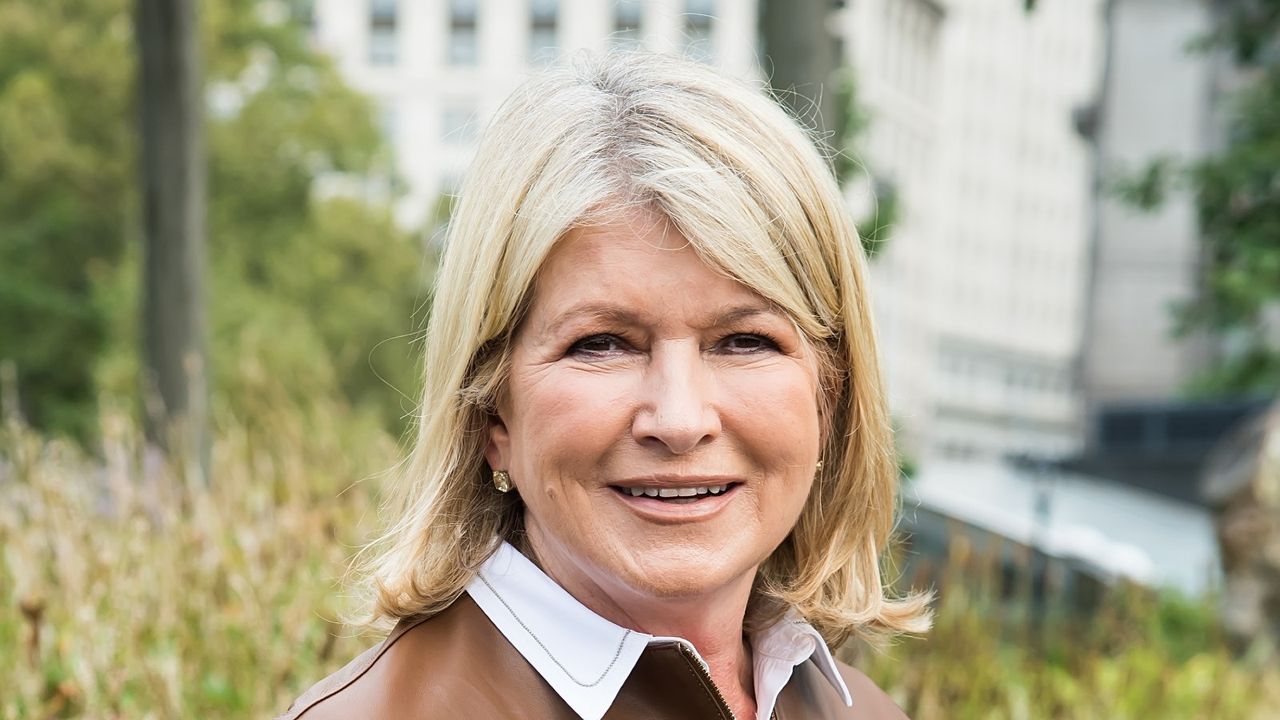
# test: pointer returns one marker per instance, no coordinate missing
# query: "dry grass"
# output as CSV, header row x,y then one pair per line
x,y
127,591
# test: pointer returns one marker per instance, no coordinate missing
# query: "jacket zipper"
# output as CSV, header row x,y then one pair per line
x,y
697,666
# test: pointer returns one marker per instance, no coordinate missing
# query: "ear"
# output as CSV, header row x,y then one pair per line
x,y
498,450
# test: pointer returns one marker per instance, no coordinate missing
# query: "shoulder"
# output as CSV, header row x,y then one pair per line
x,y
424,669
869,701
337,694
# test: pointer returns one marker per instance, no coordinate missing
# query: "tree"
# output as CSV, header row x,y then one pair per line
x,y
66,187
170,95
1237,196
311,293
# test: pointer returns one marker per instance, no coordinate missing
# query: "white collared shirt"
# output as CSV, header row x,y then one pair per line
x,y
586,659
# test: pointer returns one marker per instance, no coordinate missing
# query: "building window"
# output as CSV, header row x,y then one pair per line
x,y
698,15
542,31
382,32
626,23
463,37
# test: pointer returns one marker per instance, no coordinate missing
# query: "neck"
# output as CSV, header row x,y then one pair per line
x,y
711,622
714,629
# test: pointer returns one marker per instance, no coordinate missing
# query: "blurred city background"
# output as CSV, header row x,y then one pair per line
x,y
219,223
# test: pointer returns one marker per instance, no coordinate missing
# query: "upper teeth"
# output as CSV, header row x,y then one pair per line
x,y
676,492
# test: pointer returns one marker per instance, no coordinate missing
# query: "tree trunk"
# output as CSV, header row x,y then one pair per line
x,y
801,56
170,101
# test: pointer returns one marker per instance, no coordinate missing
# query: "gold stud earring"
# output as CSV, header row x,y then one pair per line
x,y
818,468
501,480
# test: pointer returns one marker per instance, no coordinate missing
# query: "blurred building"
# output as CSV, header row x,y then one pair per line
x,y
1083,525
1157,100
438,68
979,291
981,286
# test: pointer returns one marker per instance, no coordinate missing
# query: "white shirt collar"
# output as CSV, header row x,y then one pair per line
x,y
586,659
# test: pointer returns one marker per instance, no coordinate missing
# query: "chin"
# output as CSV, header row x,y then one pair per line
x,y
684,572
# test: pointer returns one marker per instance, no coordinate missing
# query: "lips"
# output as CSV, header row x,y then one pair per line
x,y
677,500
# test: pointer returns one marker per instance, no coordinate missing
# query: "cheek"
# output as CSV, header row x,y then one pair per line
x,y
565,419
775,413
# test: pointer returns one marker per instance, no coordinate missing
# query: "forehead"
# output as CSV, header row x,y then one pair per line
x,y
637,259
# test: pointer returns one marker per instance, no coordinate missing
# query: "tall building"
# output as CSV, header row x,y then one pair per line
x,y
981,287
979,293
1157,100
438,68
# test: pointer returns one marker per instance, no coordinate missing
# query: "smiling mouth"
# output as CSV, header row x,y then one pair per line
x,y
677,496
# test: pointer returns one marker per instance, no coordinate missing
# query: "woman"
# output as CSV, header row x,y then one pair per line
x,y
654,469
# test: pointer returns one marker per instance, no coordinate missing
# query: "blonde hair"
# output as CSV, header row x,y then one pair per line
x,y
742,182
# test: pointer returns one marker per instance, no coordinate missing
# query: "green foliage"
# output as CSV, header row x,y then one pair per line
x,y
1239,201
1237,195
312,293
66,181
1148,188
1247,28
319,293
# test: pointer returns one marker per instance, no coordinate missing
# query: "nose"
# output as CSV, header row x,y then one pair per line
x,y
677,411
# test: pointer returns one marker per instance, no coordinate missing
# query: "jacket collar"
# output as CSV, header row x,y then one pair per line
x,y
586,659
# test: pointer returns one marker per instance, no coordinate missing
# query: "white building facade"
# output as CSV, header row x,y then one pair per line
x,y
437,69
981,286
979,292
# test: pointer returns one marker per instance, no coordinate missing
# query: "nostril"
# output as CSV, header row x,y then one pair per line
x,y
678,435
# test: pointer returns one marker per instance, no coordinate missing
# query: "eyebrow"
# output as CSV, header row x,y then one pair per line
x,y
593,311
610,313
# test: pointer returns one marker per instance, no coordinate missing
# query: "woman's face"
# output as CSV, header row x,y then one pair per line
x,y
640,371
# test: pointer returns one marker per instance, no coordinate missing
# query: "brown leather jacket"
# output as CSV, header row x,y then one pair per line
x,y
458,666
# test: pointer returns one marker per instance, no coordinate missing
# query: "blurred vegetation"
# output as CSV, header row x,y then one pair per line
x,y
66,186
304,285
1237,196
1137,654
128,591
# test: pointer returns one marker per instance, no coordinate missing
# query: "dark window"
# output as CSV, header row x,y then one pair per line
x,y
542,31
463,35
698,15
382,32
627,16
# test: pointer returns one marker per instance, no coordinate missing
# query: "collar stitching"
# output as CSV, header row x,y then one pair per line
x,y
616,653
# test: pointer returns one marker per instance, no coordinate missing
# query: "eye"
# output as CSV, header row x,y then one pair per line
x,y
744,343
595,346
